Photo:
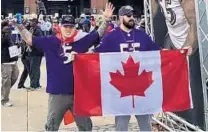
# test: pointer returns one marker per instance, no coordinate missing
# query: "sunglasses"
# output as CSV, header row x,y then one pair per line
x,y
129,14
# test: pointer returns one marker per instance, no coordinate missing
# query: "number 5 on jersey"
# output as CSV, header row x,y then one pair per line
x,y
67,53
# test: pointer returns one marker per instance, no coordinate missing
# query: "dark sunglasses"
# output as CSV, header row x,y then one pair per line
x,y
129,15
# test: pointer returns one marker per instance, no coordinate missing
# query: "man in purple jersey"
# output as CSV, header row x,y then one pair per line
x,y
127,38
130,38
58,51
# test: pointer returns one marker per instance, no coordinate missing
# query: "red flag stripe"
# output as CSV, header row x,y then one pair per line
x,y
88,85
175,81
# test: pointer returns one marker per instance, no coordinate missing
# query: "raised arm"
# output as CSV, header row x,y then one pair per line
x,y
25,34
106,17
155,6
189,10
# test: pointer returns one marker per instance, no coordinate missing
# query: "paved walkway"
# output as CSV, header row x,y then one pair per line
x,y
16,119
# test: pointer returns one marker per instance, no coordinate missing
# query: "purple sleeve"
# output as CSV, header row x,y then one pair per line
x,y
87,42
43,43
103,47
154,46
151,44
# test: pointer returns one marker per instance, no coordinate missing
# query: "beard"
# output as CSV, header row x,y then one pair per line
x,y
130,24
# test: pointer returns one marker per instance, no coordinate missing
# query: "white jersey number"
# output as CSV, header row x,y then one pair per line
x,y
129,47
67,53
170,12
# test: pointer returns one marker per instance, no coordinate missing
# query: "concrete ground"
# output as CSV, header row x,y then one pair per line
x,y
30,110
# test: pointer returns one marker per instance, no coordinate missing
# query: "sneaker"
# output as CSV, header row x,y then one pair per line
x,y
36,88
30,89
39,87
8,104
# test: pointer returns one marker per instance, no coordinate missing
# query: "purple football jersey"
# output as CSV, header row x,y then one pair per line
x,y
59,66
120,41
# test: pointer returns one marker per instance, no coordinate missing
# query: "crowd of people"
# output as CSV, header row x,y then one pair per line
x,y
45,26
59,39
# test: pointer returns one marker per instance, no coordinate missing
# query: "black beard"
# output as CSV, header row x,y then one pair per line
x,y
128,25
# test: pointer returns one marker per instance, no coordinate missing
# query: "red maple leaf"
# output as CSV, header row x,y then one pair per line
x,y
131,84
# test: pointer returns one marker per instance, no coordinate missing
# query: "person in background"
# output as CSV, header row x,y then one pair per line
x,y
43,25
86,26
48,26
55,27
92,20
81,20
9,68
83,16
142,24
35,57
26,63
98,22
40,7
25,60
111,26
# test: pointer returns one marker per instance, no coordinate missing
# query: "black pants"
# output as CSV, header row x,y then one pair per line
x,y
195,115
25,72
35,62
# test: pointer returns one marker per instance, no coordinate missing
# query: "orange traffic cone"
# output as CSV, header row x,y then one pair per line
x,y
68,118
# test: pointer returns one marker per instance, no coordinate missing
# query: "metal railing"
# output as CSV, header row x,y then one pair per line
x,y
170,121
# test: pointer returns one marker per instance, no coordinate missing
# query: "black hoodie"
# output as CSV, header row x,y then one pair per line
x,y
36,51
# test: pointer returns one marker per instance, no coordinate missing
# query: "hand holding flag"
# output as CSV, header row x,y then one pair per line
x,y
190,50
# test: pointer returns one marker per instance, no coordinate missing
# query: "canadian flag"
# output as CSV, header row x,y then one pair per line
x,y
131,83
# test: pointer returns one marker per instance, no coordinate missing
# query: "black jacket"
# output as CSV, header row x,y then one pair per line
x,y
34,50
6,42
